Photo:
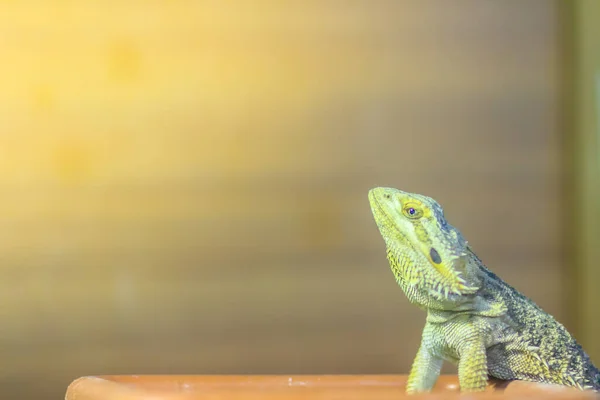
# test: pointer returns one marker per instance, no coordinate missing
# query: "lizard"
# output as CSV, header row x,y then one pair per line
x,y
474,318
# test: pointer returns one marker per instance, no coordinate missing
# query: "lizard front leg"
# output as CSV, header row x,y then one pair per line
x,y
424,371
472,366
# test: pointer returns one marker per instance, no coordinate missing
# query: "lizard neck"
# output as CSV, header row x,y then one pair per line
x,y
487,301
423,290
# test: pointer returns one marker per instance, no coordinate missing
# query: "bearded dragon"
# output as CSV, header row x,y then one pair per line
x,y
474,318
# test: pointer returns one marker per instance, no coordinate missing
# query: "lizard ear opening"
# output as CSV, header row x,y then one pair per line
x,y
450,274
435,256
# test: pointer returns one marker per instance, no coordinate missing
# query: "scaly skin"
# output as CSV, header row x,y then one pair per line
x,y
474,318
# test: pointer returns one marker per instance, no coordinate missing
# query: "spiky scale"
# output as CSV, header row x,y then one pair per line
x,y
474,318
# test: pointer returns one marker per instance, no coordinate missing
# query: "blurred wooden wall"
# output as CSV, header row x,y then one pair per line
x,y
183,184
583,143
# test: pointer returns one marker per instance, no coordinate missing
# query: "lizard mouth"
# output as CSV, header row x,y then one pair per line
x,y
386,223
382,216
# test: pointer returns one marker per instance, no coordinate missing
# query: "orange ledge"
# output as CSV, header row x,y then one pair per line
x,y
247,387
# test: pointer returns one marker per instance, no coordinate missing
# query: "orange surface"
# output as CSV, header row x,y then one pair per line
x,y
246,387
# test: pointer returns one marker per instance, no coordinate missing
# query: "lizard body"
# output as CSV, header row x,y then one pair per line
x,y
474,318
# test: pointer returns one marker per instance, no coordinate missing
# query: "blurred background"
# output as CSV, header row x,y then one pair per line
x,y
183,184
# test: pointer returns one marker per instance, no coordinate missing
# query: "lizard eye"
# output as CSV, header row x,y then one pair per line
x,y
412,212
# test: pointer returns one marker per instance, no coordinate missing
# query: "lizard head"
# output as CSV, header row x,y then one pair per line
x,y
425,251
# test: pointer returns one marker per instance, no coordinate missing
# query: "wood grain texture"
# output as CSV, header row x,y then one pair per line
x,y
183,184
